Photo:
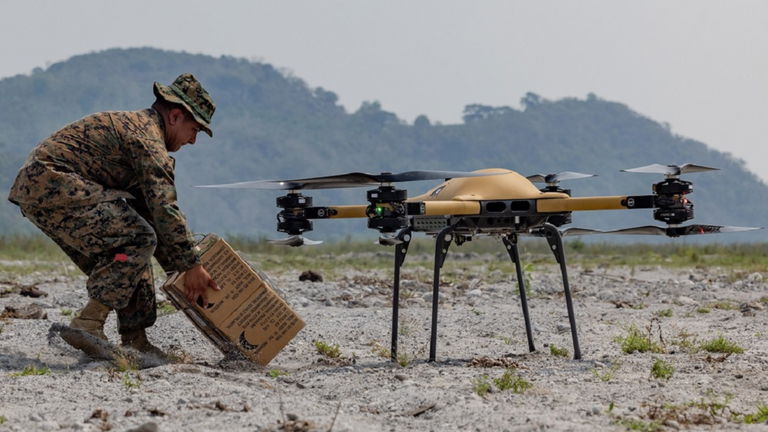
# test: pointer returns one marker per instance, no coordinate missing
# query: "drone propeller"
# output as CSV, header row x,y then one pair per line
x,y
670,170
356,179
554,179
389,240
671,231
395,239
295,241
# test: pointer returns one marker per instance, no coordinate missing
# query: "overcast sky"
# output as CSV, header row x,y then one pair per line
x,y
700,65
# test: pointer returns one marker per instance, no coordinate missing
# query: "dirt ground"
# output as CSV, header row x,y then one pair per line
x,y
484,378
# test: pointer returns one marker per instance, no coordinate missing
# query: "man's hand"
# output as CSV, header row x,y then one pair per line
x,y
197,281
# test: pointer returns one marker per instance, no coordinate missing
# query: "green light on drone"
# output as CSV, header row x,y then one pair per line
x,y
379,210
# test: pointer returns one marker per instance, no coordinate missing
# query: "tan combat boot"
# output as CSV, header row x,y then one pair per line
x,y
87,330
137,339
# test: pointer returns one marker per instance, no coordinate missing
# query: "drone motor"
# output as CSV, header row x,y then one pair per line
x,y
387,210
673,207
292,219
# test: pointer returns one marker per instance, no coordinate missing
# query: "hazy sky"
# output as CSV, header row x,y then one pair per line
x,y
700,65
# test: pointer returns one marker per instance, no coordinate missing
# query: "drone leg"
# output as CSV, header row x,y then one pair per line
x,y
511,244
400,251
442,242
556,244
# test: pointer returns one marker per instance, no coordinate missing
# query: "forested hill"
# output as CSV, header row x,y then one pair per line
x,y
271,125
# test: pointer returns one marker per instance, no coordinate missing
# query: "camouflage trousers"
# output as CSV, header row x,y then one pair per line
x,y
113,245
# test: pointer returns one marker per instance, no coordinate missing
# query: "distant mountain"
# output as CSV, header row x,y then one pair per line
x,y
271,125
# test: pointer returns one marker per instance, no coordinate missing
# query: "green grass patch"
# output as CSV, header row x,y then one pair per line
x,y
662,369
36,253
723,305
275,373
131,380
760,416
403,359
165,308
637,341
558,352
3,419
664,313
512,381
330,351
721,345
640,425
481,385
703,310
32,370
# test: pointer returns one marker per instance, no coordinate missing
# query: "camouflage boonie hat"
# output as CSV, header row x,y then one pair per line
x,y
188,92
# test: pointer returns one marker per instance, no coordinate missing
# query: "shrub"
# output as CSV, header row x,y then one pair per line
x,y
558,352
331,351
721,345
510,381
662,369
636,341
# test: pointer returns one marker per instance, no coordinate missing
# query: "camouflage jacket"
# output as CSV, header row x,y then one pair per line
x,y
108,156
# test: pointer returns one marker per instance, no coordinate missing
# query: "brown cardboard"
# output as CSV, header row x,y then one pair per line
x,y
247,314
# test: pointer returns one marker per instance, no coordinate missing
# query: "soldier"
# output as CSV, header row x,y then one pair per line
x,y
103,189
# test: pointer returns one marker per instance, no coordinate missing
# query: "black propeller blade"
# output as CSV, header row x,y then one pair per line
x,y
356,179
672,231
554,179
670,170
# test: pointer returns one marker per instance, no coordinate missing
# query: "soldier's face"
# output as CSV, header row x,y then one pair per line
x,y
183,130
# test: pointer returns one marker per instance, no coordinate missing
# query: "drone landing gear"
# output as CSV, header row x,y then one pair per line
x,y
555,240
510,242
442,242
401,250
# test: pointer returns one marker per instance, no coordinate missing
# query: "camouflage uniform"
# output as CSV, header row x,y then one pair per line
x,y
103,189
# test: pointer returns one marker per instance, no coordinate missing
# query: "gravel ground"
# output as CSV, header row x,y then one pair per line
x,y
481,336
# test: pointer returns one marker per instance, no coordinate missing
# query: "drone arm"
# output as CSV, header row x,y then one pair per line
x,y
621,202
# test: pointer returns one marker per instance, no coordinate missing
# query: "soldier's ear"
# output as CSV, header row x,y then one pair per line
x,y
175,116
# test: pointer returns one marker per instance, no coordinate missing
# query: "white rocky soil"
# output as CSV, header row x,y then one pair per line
x,y
481,324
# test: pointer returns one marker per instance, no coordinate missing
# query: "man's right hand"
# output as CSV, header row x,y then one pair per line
x,y
196,282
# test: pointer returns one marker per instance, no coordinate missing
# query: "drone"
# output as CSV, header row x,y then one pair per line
x,y
488,202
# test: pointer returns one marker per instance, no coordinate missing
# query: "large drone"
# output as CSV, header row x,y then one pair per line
x,y
495,202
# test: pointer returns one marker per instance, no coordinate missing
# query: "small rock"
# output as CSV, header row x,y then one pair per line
x,y
303,301
561,328
311,275
146,427
683,300
32,291
474,293
747,307
672,424
291,417
401,377
595,410
49,426
30,311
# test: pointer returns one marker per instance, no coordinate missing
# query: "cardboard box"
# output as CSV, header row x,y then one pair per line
x,y
246,315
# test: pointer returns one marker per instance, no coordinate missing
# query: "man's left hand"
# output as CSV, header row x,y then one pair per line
x,y
197,281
